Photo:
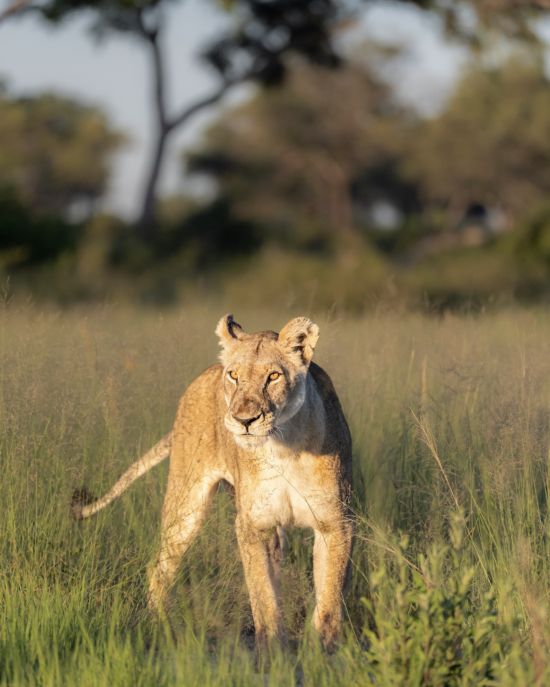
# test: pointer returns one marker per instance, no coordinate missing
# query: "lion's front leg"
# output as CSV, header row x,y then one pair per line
x,y
332,570
261,553
275,552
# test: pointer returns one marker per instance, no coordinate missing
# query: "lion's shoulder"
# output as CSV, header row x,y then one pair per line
x,y
325,387
206,380
211,374
203,389
337,431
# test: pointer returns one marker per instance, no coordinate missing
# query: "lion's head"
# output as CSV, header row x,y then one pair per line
x,y
264,376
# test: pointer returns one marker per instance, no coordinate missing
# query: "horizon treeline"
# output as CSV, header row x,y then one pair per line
x,y
326,189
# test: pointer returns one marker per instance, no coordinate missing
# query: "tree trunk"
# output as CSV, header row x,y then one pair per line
x,y
146,225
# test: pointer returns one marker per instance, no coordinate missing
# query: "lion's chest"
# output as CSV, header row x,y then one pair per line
x,y
288,490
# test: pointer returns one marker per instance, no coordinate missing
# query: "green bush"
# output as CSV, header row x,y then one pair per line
x,y
30,240
432,625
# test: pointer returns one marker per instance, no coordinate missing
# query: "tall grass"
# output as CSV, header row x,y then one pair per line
x,y
451,425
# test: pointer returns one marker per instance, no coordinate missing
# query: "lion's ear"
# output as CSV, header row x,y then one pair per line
x,y
229,331
298,339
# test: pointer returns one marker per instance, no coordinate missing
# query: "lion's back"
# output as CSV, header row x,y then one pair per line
x,y
204,389
337,434
197,418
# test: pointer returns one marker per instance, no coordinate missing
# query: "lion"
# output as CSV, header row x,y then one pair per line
x,y
284,452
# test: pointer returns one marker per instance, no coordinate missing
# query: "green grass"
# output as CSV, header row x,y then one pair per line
x,y
450,419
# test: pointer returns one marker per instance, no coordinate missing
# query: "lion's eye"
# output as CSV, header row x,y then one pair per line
x,y
233,375
273,376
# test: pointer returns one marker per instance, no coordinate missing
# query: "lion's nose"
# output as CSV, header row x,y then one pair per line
x,y
246,421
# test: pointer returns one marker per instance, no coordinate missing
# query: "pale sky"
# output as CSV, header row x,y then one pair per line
x,y
114,75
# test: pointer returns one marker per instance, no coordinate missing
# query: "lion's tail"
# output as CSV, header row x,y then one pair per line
x,y
83,504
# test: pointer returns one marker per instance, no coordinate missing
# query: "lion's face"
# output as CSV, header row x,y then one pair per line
x,y
264,377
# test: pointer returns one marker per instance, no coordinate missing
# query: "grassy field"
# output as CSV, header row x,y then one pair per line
x,y
450,419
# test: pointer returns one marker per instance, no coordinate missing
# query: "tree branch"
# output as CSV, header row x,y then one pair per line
x,y
210,100
512,4
251,74
150,36
14,8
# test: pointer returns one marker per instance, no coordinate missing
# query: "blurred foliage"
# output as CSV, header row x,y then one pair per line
x,y
321,151
328,193
253,48
207,237
289,157
256,48
491,145
28,240
55,152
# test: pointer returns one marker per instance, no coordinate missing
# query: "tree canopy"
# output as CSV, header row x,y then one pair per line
x,y
54,152
264,32
289,156
307,153
491,145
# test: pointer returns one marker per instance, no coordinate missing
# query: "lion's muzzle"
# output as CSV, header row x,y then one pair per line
x,y
251,424
247,421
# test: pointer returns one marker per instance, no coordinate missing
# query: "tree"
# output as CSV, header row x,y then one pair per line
x,y
289,156
267,30
15,7
27,239
491,145
54,152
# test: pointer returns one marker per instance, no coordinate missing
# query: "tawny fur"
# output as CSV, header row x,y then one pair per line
x,y
83,504
284,446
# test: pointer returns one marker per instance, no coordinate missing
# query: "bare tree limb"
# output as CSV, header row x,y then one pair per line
x,y
150,35
167,125
210,100
145,223
160,91
14,8
503,5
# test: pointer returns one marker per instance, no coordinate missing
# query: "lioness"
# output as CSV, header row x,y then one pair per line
x,y
284,447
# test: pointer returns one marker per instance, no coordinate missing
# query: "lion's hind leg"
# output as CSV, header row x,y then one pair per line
x,y
261,553
275,552
185,510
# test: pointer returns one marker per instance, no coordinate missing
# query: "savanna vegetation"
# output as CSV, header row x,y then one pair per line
x,y
450,419
420,244
327,192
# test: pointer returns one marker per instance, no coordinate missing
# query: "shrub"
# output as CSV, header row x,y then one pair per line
x,y
432,625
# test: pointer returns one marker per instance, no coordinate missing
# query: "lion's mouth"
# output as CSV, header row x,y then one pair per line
x,y
241,432
260,431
